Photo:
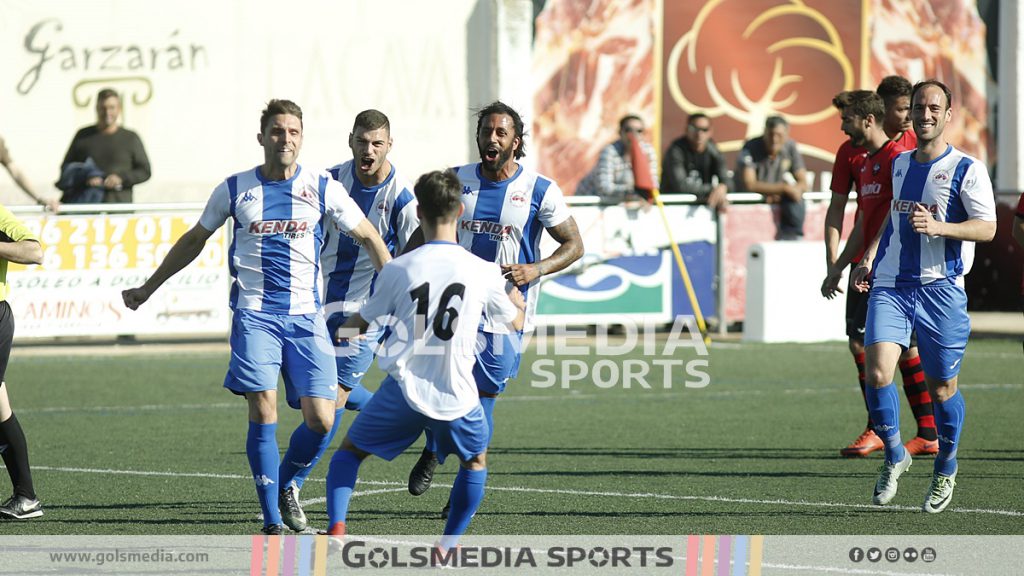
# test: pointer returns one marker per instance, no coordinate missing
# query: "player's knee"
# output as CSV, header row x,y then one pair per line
x,y
941,390
856,346
320,423
478,462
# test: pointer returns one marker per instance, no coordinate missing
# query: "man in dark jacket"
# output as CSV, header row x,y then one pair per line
x,y
116,151
693,165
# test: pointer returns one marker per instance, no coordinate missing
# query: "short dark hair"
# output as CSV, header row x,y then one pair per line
x,y
892,87
275,107
107,93
936,83
772,122
696,116
371,120
627,118
499,107
862,103
841,100
439,195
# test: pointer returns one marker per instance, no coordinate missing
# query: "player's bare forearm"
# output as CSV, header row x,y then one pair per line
x,y
22,252
570,247
834,226
520,303
971,230
184,251
853,245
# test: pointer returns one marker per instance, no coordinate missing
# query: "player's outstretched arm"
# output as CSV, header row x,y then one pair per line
x,y
184,251
367,235
570,249
22,252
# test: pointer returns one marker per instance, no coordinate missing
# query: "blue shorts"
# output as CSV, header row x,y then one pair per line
x,y
497,360
264,345
388,425
353,358
937,312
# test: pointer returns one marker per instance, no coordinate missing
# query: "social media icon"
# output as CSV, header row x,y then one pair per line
x,y
892,554
874,554
928,554
856,554
910,555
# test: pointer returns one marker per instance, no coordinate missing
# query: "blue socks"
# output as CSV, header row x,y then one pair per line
x,y
341,481
304,450
467,493
261,448
949,421
290,472
884,409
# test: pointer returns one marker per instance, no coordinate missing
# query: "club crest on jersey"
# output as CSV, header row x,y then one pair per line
x,y
876,168
309,196
941,177
495,230
518,199
382,208
289,229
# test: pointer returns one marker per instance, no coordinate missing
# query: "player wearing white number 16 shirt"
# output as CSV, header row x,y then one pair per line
x,y
432,298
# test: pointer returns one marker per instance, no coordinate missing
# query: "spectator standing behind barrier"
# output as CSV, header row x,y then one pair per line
x,y
612,177
105,161
771,166
694,165
22,182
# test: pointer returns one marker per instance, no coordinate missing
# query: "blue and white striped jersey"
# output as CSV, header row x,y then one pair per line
x,y
347,269
503,221
955,187
274,258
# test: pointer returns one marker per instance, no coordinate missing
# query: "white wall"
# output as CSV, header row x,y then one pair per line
x,y
199,115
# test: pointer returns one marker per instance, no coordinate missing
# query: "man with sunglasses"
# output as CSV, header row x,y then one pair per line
x,y
612,177
694,165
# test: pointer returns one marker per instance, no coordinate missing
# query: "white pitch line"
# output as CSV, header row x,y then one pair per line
x,y
569,395
130,408
523,489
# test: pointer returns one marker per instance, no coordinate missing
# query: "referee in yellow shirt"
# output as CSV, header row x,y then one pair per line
x,y
18,245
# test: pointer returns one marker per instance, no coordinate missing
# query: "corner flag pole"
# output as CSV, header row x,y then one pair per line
x,y
644,181
682,268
